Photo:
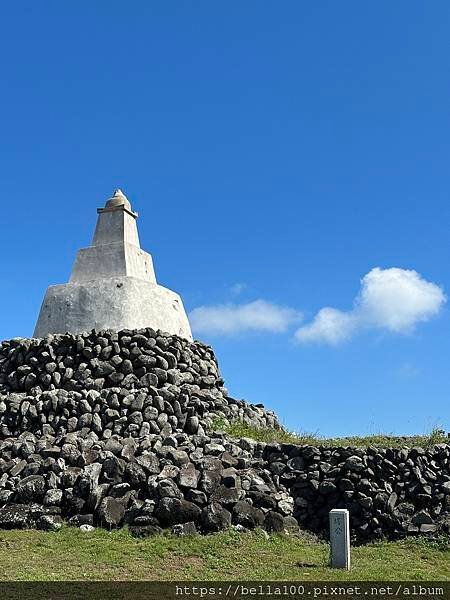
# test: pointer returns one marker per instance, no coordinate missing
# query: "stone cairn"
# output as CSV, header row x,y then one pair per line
x,y
112,428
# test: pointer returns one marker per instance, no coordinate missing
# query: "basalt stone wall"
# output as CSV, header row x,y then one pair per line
x,y
115,428
130,383
389,492
210,482
192,482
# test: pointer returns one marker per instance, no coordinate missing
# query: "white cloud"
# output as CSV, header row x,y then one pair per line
x,y
329,325
231,319
398,299
392,299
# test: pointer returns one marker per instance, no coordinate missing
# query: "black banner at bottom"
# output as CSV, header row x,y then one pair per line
x,y
218,590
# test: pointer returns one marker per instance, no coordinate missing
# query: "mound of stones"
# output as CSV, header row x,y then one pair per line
x,y
131,383
107,429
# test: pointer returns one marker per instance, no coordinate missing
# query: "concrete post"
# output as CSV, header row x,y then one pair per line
x,y
340,538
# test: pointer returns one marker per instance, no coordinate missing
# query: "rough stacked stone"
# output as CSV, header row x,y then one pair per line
x,y
131,383
114,428
150,482
389,492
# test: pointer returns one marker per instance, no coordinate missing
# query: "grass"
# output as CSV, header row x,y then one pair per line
x,y
117,556
31,555
237,429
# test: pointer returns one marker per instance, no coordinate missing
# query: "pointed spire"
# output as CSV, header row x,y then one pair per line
x,y
113,284
118,199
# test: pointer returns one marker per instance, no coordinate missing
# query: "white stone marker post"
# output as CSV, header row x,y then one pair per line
x,y
340,538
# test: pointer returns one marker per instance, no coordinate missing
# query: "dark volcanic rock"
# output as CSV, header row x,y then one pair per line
x,y
215,518
49,523
172,511
274,522
141,531
246,515
111,512
14,516
31,489
105,428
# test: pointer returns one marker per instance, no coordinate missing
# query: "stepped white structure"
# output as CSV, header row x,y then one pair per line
x,y
113,284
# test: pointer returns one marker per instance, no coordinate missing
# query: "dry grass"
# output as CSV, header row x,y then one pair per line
x,y
240,430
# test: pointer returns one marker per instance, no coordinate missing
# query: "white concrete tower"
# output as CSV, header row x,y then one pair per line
x,y
113,284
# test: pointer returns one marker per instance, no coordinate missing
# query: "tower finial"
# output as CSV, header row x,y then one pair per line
x,y
118,199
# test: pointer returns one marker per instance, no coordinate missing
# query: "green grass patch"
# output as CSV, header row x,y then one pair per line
x,y
117,556
238,429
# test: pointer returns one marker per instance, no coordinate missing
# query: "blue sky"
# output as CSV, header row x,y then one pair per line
x,y
277,153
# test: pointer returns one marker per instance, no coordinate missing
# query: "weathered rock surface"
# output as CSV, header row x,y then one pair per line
x,y
131,383
112,428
